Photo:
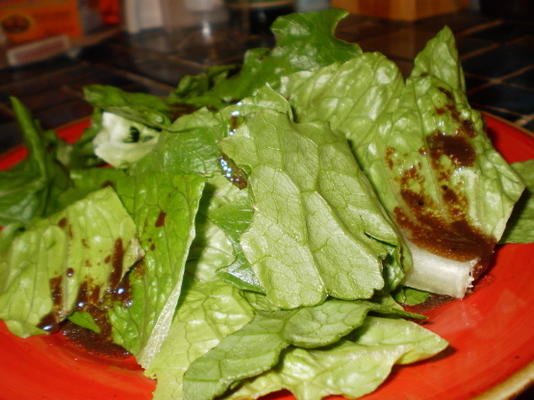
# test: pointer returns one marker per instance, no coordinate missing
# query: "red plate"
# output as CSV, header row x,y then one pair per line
x,y
491,333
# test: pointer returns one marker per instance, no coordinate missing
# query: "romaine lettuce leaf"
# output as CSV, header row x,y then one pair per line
x,y
227,215
85,181
318,228
190,146
257,346
425,152
163,205
143,108
207,313
520,228
352,368
303,42
195,86
121,142
65,262
409,296
126,126
164,209
29,190
214,248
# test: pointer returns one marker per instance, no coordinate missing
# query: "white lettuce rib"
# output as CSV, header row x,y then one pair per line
x,y
438,274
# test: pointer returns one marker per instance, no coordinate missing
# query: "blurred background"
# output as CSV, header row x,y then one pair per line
x,y
50,49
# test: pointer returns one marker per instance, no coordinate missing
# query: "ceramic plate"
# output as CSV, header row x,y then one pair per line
x,y
491,334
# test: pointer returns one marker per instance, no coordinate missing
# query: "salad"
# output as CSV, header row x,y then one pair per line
x,y
260,230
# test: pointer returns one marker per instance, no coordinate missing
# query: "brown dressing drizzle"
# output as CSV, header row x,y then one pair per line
x,y
107,183
116,262
180,109
91,341
447,233
91,300
232,172
456,240
457,148
50,322
160,221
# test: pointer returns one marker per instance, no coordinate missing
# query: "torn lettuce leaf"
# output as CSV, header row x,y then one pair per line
x,y
164,210
352,368
303,42
143,108
425,152
125,125
317,227
207,313
29,190
190,146
163,206
121,142
213,249
195,86
67,261
85,181
85,320
409,296
257,346
231,212
217,251
520,227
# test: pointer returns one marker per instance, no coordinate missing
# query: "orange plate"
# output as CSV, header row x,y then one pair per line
x,y
491,333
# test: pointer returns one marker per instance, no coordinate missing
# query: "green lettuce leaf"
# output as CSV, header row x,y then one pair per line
x,y
231,212
211,250
164,209
121,142
66,262
257,346
520,227
317,227
195,86
143,108
352,368
410,297
207,313
425,152
163,206
126,126
29,189
226,214
85,320
85,181
191,146
303,42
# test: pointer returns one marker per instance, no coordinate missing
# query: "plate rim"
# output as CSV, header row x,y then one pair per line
x,y
523,378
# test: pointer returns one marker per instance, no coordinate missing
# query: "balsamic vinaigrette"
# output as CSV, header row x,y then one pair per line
x,y
232,172
229,168
450,233
91,300
179,109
